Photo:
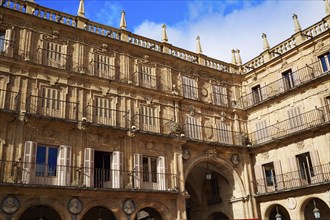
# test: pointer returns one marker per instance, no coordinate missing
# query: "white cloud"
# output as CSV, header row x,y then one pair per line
x,y
241,29
108,13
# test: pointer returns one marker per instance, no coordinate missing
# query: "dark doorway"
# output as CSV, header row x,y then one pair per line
x,y
102,174
99,212
40,212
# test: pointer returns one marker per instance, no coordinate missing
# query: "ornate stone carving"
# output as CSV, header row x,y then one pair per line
x,y
235,159
10,204
211,152
300,145
150,145
291,203
191,110
185,154
265,155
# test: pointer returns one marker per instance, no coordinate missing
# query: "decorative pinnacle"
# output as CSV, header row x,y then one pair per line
x,y
265,41
327,7
81,9
238,57
123,21
164,36
233,57
198,45
297,26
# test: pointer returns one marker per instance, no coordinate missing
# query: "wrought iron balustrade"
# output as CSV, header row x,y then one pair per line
x,y
54,108
53,58
292,125
9,100
295,179
6,47
155,124
213,134
106,116
295,79
21,174
103,70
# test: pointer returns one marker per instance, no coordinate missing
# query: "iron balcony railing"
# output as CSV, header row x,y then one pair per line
x,y
295,179
22,174
293,80
53,58
9,101
104,70
54,108
106,116
212,134
292,125
155,124
6,47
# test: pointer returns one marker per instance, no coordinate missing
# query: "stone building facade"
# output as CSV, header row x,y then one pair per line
x,y
100,123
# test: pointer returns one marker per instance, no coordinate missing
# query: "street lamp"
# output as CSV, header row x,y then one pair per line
x,y
278,216
316,211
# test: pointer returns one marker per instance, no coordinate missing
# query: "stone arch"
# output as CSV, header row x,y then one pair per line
x,y
99,212
32,202
229,172
111,206
307,205
159,207
272,210
217,216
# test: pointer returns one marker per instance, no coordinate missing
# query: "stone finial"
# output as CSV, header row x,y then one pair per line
x,y
123,21
81,9
297,26
198,45
164,35
238,57
233,57
327,7
265,41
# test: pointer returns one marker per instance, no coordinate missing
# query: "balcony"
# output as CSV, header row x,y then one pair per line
x,y
6,47
151,124
30,174
52,108
53,59
9,101
103,70
105,116
296,79
212,134
298,123
296,179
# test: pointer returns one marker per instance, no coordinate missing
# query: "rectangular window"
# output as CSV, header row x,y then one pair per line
x,y
295,118
104,66
305,166
288,81
193,130
46,161
224,132
256,94
327,100
148,76
261,131
149,166
50,102
220,95
103,114
189,88
54,51
269,172
2,41
325,61
148,115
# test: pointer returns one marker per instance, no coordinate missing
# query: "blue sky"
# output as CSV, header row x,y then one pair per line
x,y
223,25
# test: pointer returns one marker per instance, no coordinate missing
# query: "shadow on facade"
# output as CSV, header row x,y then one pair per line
x,y
99,212
40,212
148,214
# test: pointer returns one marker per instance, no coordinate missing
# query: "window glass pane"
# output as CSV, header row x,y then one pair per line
x,y
52,160
154,169
41,160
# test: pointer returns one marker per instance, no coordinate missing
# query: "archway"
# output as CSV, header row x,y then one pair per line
x,y
209,185
99,212
314,205
278,210
148,214
40,212
218,216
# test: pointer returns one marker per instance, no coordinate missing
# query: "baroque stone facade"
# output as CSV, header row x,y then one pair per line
x,y
97,122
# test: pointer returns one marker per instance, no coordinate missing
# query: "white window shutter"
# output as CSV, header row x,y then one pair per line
x,y
64,166
278,175
7,43
294,175
116,169
29,162
258,172
316,167
89,167
161,173
137,170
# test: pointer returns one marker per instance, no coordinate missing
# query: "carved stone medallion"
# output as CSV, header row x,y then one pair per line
x,y
10,204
